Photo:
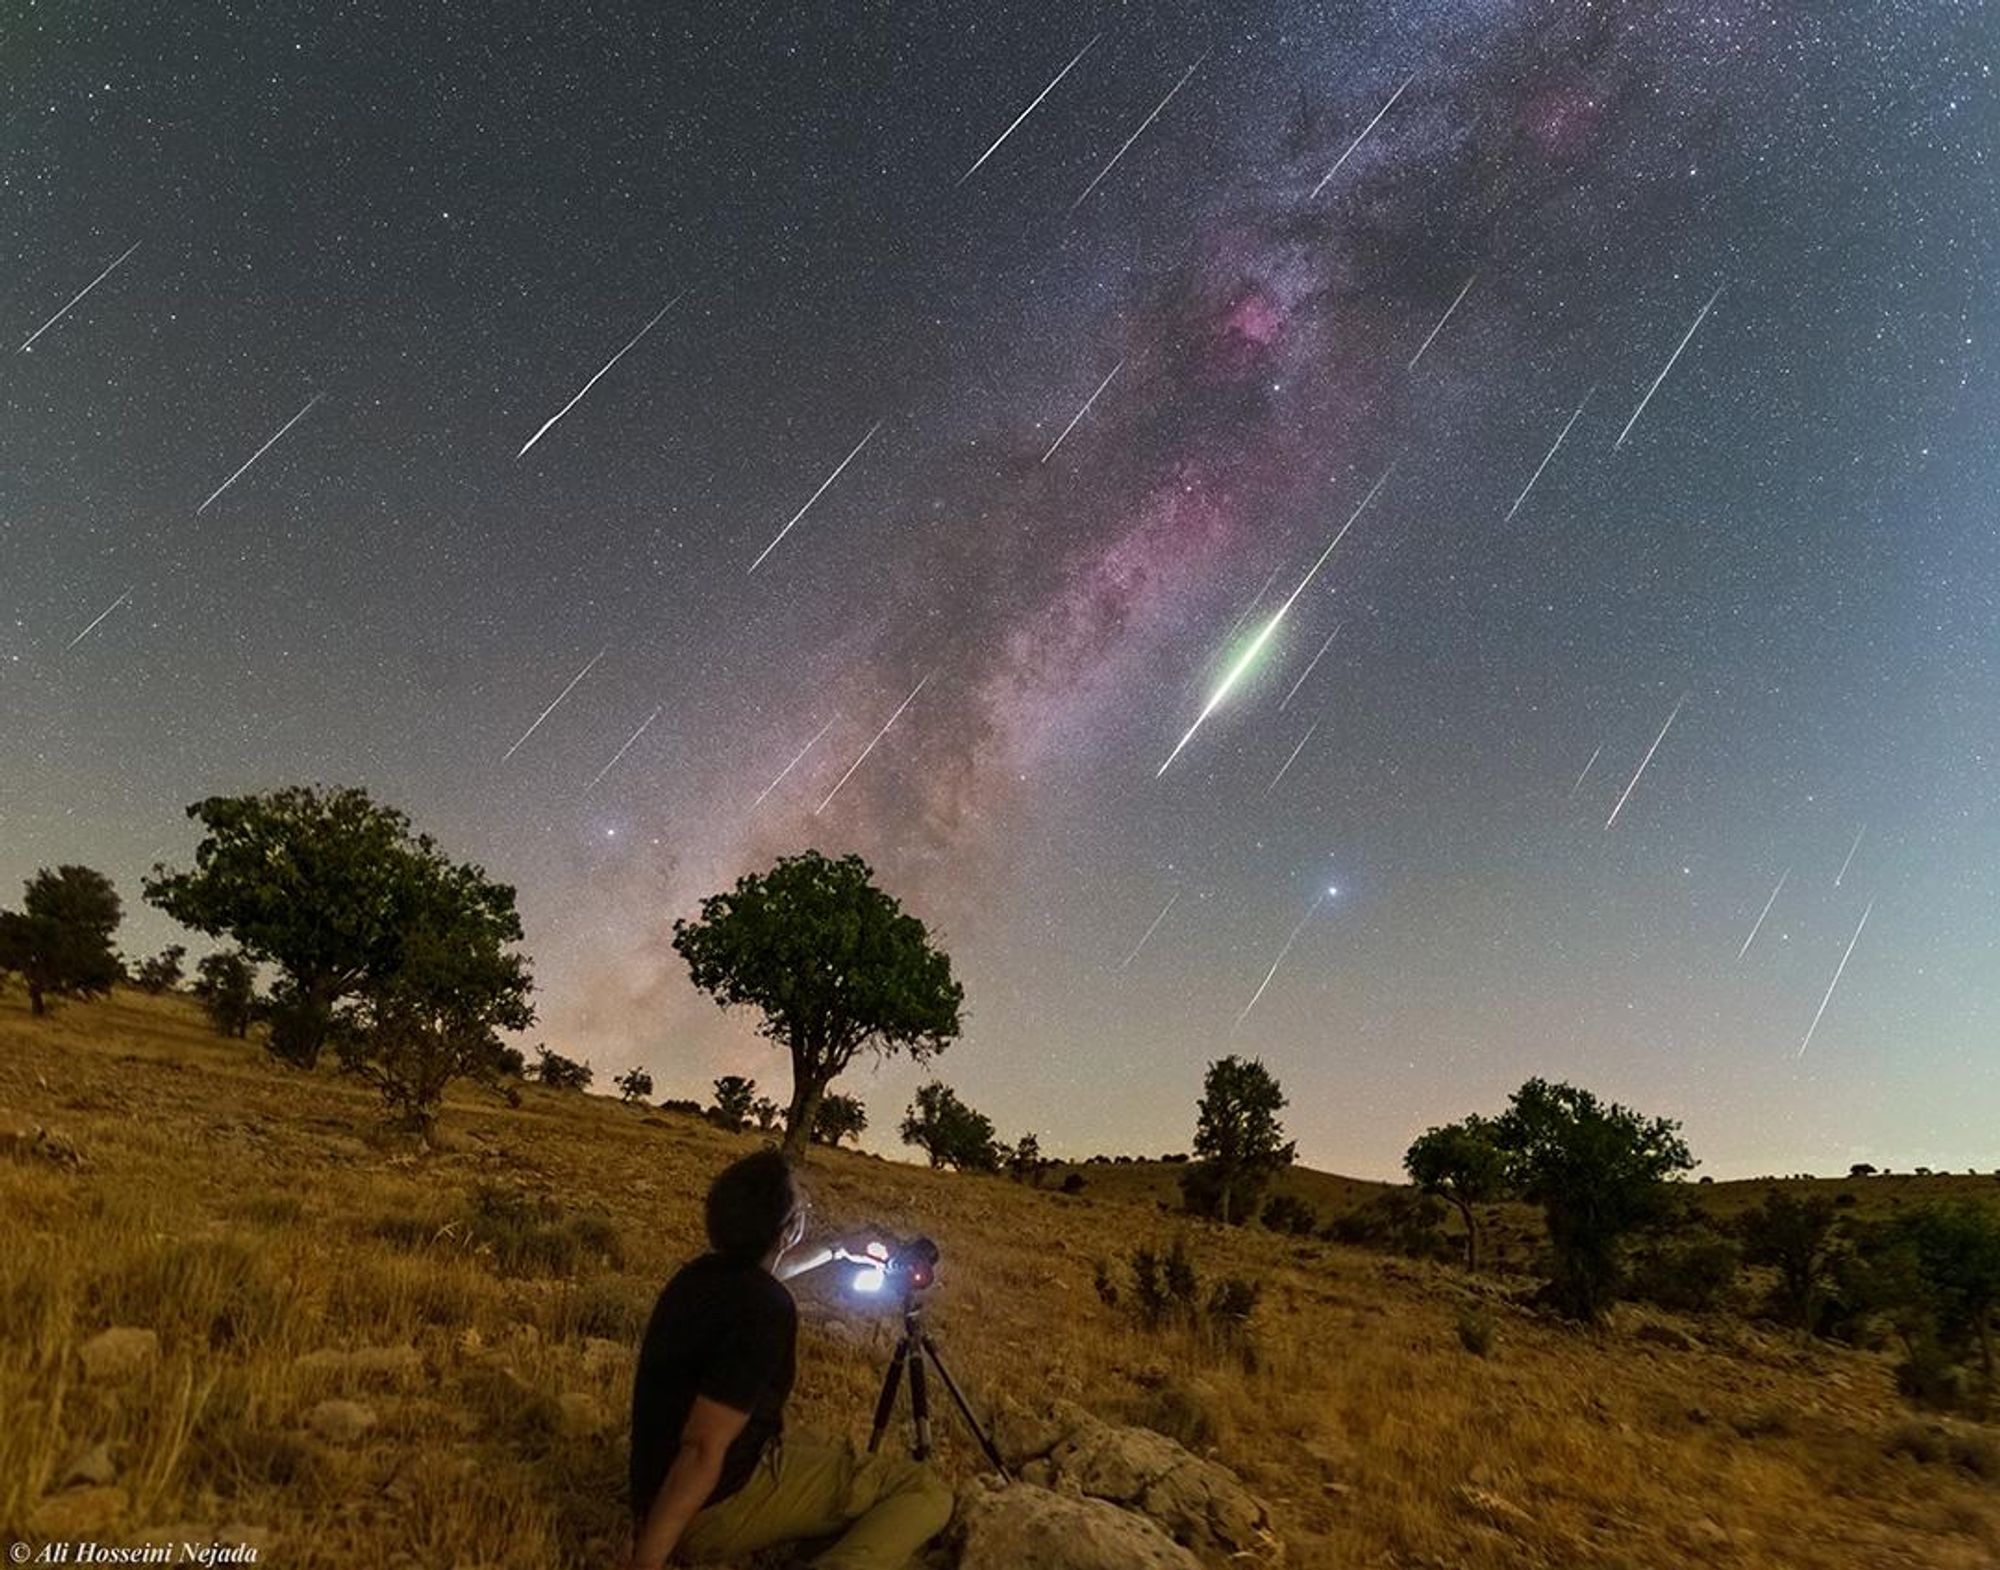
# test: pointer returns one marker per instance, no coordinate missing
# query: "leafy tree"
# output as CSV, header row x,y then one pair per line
x,y
1024,1160
1239,1145
561,1073
1289,1213
635,1084
765,1112
949,1132
226,984
734,1097
1461,1163
318,882
431,1011
834,965
162,972
1952,1254
839,1117
1796,1237
59,941
1599,1173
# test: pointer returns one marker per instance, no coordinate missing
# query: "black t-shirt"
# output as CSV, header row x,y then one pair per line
x,y
722,1330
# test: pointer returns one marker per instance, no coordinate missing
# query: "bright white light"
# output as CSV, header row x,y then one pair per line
x,y
1333,891
869,1280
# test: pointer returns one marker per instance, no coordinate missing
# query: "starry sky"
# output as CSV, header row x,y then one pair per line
x,y
1292,258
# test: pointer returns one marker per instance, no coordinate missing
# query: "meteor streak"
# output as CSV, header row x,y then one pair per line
x,y
1243,661
1836,979
1763,913
100,617
823,484
1309,668
871,745
808,747
1646,760
1301,747
1311,910
552,707
578,397
30,340
1155,927
1190,71
1398,93
1664,369
1441,321
1579,779
1080,413
1025,113
621,751
1850,854
1258,599
1545,460
294,420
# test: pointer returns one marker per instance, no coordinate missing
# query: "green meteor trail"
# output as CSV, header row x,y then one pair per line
x,y
1244,660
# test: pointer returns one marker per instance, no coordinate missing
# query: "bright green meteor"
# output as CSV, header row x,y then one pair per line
x,y
1245,659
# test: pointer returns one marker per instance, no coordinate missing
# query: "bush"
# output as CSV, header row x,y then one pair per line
x,y
1168,1294
1690,1272
1073,1184
1398,1222
561,1073
524,1234
215,1292
1936,1444
1289,1213
1476,1331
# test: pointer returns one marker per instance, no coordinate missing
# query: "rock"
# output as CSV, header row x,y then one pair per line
x,y
580,1415
23,1137
81,1512
1022,1527
1023,1435
93,1466
1199,1503
1495,1507
340,1422
119,1352
1708,1531
600,1353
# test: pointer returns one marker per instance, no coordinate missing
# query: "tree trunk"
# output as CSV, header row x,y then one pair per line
x,y
36,1004
806,1097
1228,1184
1471,1235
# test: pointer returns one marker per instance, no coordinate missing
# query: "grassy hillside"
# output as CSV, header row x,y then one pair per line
x,y
477,1307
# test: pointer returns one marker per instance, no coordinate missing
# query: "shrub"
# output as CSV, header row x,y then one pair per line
x,y
1688,1272
1400,1221
561,1073
214,1291
1289,1213
1476,1331
524,1234
1073,1184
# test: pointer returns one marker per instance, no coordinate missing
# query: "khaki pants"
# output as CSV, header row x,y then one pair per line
x,y
809,1487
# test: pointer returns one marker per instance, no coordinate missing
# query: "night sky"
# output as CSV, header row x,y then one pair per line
x,y
414,233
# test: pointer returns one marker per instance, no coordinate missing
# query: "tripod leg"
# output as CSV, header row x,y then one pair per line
x,y
964,1407
920,1410
886,1402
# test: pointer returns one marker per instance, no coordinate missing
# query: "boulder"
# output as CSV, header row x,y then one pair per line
x,y
340,1422
580,1415
79,1513
119,1352
1200,1504
1022,1527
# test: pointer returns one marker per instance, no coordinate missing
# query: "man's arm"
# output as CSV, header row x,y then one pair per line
x,y
696,1469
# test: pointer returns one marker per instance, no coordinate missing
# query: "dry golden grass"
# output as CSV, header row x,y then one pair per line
x,y
250,1215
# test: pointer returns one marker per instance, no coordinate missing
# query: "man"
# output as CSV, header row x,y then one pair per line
x,y
713,1474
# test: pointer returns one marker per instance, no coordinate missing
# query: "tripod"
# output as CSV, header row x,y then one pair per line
x,y
912,1348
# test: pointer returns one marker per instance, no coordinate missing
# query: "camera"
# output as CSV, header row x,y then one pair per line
x,y
910,1266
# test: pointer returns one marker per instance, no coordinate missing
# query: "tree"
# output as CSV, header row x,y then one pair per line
x,y
1024,1160
839,1117
59,941
1239,1145
226,984
559,1072
1954,1251
635,1084
734,1097
949,1132
1599,1173
318,882
162,972
834,965
431,1010
1461,1163
765,1111
1794,1236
